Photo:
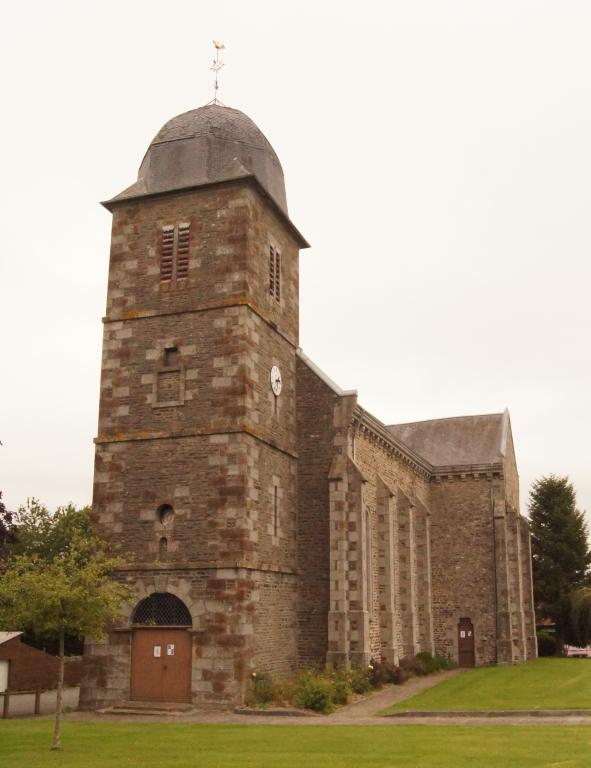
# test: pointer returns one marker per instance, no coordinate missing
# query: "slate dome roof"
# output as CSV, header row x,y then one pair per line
x,y
209,144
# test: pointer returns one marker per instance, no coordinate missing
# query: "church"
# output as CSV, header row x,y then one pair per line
x,y
268,521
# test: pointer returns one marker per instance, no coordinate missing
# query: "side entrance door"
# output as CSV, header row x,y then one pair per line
x,y
161,664
465,643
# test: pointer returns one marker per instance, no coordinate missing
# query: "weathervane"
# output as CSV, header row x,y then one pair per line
x,y
215,67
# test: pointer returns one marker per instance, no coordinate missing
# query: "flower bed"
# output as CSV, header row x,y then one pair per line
x,y
325,690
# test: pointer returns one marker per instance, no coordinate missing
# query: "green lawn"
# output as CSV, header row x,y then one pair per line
x,y
25,744
540,684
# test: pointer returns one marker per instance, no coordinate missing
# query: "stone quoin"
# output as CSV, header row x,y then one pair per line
x,y
269,522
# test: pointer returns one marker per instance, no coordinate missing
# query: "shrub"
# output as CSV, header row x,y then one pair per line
x,y
321,691
546,643
430,662
446,662
399,675
384,672
414,666
434,663
315,692
341,690
263,690
360,679
285,692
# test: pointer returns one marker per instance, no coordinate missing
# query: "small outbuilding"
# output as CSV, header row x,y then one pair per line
x,y
24,668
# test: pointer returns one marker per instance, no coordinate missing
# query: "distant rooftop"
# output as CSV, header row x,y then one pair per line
x,y
6,636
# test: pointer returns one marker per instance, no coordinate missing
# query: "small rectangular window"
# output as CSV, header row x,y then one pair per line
x,y
171,357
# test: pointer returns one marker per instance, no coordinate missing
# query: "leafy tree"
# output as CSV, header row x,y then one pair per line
x,y
560,550
6,526
58,580
37,531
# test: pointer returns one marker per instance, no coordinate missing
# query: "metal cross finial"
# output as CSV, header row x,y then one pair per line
x,y
215,67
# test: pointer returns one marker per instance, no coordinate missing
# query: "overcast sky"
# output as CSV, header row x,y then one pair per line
x,y
437,156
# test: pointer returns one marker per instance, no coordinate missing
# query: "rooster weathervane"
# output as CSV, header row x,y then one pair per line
x,y
215,68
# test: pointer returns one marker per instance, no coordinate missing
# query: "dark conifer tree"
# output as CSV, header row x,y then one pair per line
x,y
560,550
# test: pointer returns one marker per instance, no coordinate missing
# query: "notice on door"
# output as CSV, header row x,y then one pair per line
x,y
170,649
157,651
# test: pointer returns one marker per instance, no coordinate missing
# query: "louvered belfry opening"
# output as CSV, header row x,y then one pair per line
x,y
274,273
162,609
182,251
175,244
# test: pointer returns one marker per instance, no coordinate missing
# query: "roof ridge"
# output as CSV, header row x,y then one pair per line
x,y
444,418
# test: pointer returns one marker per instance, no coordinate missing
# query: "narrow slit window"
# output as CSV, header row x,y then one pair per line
x,y
275,511
162,548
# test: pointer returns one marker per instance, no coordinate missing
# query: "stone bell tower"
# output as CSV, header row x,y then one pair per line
x,y
196,466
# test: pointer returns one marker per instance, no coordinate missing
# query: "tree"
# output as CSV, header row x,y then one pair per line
x,y
37,531
59,582
6,526
33,529
560,550
580,615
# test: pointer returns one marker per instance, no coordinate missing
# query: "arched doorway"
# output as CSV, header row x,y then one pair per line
x,y
465,643
161,649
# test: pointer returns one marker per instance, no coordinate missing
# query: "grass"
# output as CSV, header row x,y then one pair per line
x,y
182,745
540,684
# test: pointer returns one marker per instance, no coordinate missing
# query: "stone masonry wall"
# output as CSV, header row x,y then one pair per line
x,y
413,550
187,421
380,597
511,476
528,594
315,406
463,565
275,624
514,543
231,227
222,603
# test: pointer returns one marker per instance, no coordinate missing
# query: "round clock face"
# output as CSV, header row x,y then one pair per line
x,y
276,380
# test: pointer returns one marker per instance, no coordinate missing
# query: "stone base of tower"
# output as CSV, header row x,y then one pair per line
x,y
242,622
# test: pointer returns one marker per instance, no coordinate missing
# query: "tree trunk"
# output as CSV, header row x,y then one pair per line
x,y
57,731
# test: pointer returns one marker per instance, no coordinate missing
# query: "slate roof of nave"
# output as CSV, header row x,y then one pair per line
x,y
458,440
453,443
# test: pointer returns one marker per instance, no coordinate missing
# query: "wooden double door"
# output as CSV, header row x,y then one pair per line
x,y
161,664
466,656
